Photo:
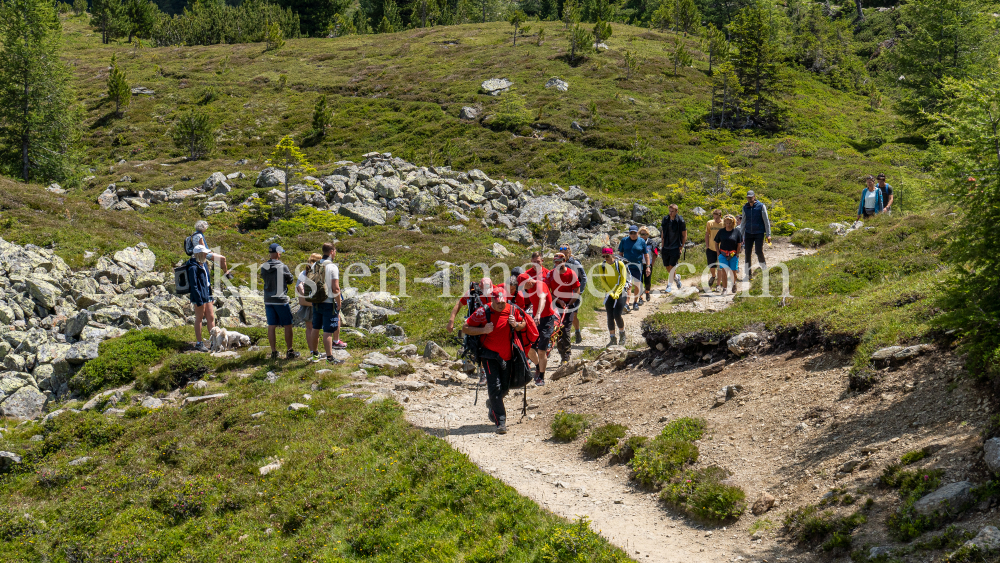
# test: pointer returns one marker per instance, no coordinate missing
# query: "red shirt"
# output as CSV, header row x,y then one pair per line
x,y
533,273
498,340
535,295
484,298
563,286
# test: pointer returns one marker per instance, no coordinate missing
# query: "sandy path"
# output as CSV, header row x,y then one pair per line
x,y
559,479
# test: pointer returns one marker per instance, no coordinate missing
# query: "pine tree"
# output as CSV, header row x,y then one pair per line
x,y
579,39
517,17
110,18
79,7
141,16
570,13
718,46
195,133
37,124
118,88
726,95
679,55
687,17
292,161
631,63
757,60
274,37
321,118
602,30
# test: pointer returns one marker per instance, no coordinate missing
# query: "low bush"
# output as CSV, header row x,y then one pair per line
x,y
906,524
120,359
661,460
309,220
687,429
566,426
913,456
810,526
625,451
175,372
702,494
573,542
603,438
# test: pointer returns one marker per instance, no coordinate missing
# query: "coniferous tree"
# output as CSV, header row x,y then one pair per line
x,y
79,7
517,17
141,17
679,55
321,118
570,13
602,30
718,46
194,133
110,18
579,39
757,60
118,88
37,126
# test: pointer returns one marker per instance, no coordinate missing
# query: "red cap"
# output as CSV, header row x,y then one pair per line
x,y
607,250
523,278
499,293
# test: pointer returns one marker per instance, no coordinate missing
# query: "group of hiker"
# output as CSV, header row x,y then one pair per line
x,y
876,198
317,290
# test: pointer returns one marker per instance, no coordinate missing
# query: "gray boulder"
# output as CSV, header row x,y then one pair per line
x,y
25,404
639,212
434,352
521,235
269,178
947,500
108,198
551,211
379,359
991,454
575,194
987,540
8,460
214,208
558,84
469,113
367,215
44,292
82,352
214,180
576,127
698,212
423,204
139,257
743,343
496,86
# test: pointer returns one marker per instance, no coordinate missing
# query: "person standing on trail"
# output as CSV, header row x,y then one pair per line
x,y
198,238
326,315
633,250
610,278
756,227
871,199
711,247
581,273
537,269
674,233
564,284
276,277
728,240
540,300
493,325
647,264
886,190
201,293
305,312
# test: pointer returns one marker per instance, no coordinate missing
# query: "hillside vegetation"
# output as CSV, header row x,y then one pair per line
x,y
403,92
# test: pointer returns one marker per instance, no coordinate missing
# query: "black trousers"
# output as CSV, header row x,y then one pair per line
x,y
494,373
614,308
562,344
753,243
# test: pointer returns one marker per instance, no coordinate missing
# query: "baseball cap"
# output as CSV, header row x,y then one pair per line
x,y
523,278
750,193
633,229
607,250
275,247
201,249
499,293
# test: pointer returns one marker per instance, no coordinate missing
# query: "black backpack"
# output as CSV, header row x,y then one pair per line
x,y
517,372
182,285
471,344
189,244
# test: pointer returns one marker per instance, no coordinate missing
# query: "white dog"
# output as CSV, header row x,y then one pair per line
x,y
218,340
236,340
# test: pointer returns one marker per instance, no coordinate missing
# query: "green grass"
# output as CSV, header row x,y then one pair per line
x,y
603,438
905,524
357,482
567,426
663,457
121,360
808,525
913,456
870,289
402,93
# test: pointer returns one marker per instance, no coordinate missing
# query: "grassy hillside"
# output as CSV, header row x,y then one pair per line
x,y
403,92
356,483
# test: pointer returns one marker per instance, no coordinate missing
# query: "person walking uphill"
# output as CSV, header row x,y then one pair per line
x,y
729,241
494,324
539,298
674,233
564,284
886,189
581,273
610,278
201,293
711,247
756,227
871,200
633,250
277,276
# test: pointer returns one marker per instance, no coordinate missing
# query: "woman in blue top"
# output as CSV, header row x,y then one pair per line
x,y
871,200
633,249
201,293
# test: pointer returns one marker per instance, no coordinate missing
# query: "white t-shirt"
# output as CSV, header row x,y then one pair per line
x,y
331,273
871,198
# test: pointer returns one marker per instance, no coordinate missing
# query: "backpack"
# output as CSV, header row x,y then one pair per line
x,y
317,278
189,244
518,372
182,285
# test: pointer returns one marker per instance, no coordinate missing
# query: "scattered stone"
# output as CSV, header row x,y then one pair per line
x,y
566,369
576,127
79,461
558,84
500,251
763,503
987,540
949,499
743,343
714,368
8,460
273,466
297,407
410,385
151,403
469,113
991,454
203,399
434,352
496,86
849,466
379,359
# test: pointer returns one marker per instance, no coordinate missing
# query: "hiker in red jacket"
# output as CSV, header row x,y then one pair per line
x,y
564,285
493,324
539,298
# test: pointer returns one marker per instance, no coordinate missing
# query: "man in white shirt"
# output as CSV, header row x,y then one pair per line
x,y
326,315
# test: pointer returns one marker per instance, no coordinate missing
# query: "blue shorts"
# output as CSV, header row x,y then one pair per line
x,y
278,315
636,271
731,263
325,316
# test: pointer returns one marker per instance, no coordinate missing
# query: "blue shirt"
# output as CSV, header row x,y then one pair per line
x,y
633,250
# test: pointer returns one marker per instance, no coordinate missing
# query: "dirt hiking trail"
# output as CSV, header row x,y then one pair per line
x,y
560,477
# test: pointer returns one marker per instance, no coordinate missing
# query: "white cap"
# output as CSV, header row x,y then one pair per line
x,y
202,249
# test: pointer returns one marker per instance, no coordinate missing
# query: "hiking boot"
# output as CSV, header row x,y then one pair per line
x,y
613,341
711,281
482,378
340,345
314,357
639,301
291,354
501,428
200,347
635,306
677,280
274,355
332,360
579,337
489,412
621,337
539,381
647,297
